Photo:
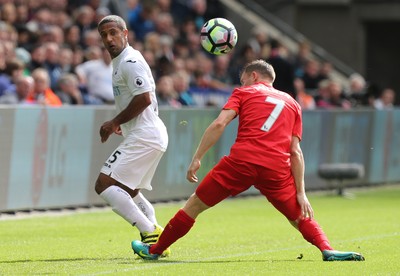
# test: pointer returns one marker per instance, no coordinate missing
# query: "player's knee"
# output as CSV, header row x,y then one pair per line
x,y
100,185
298,222
194,206
132,193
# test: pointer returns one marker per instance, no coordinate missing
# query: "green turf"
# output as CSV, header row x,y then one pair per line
x,y
238,237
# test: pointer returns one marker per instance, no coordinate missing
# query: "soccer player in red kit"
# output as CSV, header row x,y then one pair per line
x,y
266,155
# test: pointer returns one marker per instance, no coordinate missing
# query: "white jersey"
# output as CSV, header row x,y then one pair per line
x,y
132,76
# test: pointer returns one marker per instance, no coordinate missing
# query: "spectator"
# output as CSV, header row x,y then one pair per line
x,y
62,19
260,40
305,100
8,13
326,70
164,6
53,33
14,69
284,69
312,76
141,19
336,95
38,57
151,60
166,94
78,57
203,74
197,12
357,91
169,29
166,47
65,60
152,43
116,7
187,28
40,20
91,38
181,85
164,25
84,18
301,57
92,53
52,65
322,95
23,86
26,38
96,76
245,55
100,13
42,92
72,35
221,71
68,90
386,99
8,33
22,14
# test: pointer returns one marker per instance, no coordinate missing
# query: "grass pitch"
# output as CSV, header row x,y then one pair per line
x,y
244,236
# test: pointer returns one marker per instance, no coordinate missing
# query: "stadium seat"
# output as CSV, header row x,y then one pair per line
x,y
340,173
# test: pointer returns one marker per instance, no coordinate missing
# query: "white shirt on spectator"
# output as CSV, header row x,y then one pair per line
x,y
98,76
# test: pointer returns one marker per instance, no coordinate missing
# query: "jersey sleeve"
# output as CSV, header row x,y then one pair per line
x,y
233,101
136,77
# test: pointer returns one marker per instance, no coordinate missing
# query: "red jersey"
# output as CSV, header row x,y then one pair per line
x,y
268,119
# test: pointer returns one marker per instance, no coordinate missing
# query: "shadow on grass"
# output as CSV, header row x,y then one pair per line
x,y
219,261
162,261
62,260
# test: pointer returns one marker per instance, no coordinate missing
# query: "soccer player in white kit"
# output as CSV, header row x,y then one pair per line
x,y
132,165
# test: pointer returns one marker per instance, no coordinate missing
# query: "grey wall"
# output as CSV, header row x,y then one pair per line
x,y
51,157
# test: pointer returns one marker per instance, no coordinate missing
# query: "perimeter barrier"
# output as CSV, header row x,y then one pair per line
x,y
51,157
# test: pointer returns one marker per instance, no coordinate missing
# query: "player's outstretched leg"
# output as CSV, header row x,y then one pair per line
x,y
152,237
334,255
313,233
143,250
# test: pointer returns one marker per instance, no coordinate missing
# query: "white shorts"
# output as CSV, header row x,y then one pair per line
x,y
133,165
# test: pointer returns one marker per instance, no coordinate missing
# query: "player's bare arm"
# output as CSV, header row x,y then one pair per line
x,y
135,107
297,167
210,137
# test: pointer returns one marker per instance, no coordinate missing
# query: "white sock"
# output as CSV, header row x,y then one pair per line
x,y
122,204
146,207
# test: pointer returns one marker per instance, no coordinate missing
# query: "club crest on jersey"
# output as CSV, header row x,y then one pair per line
x,y
139,81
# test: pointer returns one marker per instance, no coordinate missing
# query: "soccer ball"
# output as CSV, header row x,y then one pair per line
x,y
218,36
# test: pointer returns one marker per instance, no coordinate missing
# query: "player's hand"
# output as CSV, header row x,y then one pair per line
x,y
107,129
193,168
306,209
118,131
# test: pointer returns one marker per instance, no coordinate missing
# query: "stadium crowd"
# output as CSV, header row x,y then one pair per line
x,y
51,54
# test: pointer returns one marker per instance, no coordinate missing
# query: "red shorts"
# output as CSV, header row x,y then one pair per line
x,y
232,177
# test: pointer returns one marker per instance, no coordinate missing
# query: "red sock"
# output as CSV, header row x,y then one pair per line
x,y
176,228
313,233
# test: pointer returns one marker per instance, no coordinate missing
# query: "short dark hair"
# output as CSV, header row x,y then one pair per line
x,y
13,65
262,67
113,18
